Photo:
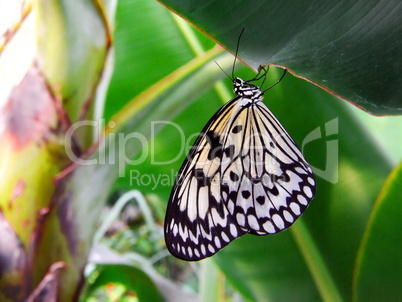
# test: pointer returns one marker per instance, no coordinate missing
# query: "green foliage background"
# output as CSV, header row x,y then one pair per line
x,y
347,244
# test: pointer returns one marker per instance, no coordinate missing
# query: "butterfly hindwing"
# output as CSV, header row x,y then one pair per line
x,y
276,182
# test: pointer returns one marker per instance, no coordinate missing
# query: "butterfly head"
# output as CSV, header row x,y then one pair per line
x,y
246,89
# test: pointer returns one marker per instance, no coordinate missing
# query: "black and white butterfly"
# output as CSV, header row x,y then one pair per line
x,y
243,175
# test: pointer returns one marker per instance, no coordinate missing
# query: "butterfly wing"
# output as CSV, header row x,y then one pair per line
x,y
197,222
268,183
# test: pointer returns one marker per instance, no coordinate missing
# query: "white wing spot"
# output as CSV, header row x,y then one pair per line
x,y
190,252
225,237
266,181
295,208
252,222
308,192
302,199
268,227
233,230
300,170
175,230
311,181
203,251
240,219
211,248
278,221
287,216
217,242
183,233
197,253
230,206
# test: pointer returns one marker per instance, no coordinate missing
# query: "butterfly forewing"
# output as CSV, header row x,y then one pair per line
x,y
244,174
197,222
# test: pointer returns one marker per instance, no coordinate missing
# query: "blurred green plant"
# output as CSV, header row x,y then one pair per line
x,y
125,65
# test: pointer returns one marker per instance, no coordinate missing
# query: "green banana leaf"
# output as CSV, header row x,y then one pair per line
x,y
350,49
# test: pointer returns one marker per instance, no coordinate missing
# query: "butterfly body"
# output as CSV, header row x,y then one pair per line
x,y
244,174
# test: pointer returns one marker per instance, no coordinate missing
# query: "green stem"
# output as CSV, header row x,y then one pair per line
x,y
316,264
210,287
150,94
118,207
223,92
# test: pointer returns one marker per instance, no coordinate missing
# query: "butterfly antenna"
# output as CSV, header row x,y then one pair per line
x,y
277,82
237,50
223,70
